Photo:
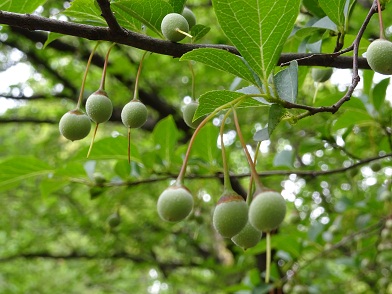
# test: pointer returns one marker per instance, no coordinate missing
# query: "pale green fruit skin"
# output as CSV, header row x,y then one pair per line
x,y
170,23
74,125
230,215
175,204
189,16
267,211
248,237
134,114
379,56
321,75
99,107
189,113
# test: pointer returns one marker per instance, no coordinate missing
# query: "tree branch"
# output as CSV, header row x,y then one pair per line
x,y
125,37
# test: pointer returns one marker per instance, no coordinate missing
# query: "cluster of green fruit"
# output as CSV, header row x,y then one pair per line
x,y
175,26
232,217
76,125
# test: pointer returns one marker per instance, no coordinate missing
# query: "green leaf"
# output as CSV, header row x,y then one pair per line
x,y
51,37
352,117
379,92
210,101
261,135
126,21
335,9
165,136
286,82
21,6
222,60
178,5
199,31
111,148
258,29
49,185
205,145
276,114
21,168
314,7
149,12
284,158
84,11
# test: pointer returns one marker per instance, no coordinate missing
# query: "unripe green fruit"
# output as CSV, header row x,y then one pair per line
x,y
189,113
248,237
376,166
189,16
175,204
99,107
379,56
321,74
114,220
134,114
267,211
170,25
230,215
75,125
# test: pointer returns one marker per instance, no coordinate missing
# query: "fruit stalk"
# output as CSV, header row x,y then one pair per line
x,y
139,70
85,76
382,34
105,65
226,177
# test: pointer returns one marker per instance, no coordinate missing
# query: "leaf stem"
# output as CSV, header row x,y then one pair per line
x,y
85,76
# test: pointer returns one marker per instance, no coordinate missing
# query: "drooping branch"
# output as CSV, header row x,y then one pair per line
x,y
129,38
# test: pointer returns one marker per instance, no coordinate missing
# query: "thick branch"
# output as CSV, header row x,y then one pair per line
x,y
34,22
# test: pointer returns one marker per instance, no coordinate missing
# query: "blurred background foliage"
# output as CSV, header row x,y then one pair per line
x,y
333,169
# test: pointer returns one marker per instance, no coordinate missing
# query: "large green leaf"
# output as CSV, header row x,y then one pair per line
x,y
286,82
165,138
258,29
21,6
150,13
379,92
178,5
222,60
17,169
205,145
335,9
84,11
210,101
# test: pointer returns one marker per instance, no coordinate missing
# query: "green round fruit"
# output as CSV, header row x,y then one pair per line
x,y
189,16
379,56
248,237
376,166
189,113
134,114
321,75
170,25
74,125
114,220
175,204
99,107
267,211
230,215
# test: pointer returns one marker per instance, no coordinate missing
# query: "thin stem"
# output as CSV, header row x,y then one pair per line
x,y
85,76
181,175
250,195
184,33
129,145
382,34
139,70
193,95
250,161
105,65
92,140
268,253
226,176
